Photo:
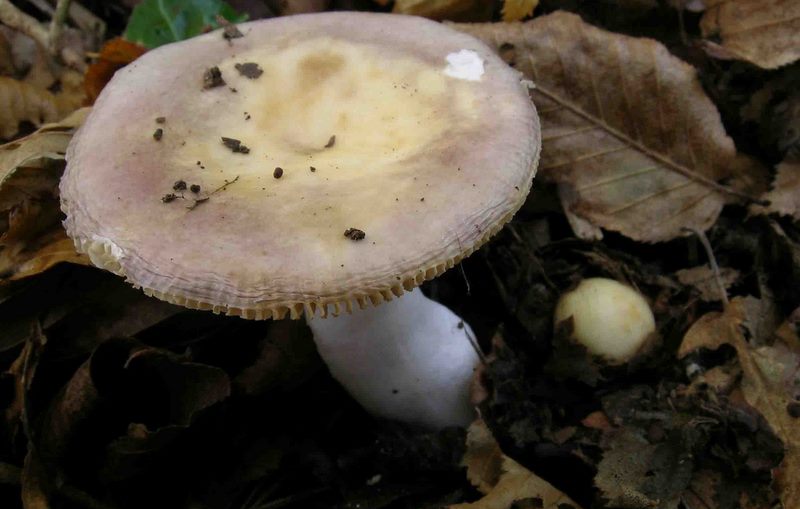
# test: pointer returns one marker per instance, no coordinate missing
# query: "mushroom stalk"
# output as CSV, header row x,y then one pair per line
x,y
410,359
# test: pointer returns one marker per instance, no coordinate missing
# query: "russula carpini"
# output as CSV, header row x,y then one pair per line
x,y
333,162
612,320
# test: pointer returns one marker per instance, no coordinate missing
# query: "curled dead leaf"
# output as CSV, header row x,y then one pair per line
x,y
763,32
502,480
625,125
31,237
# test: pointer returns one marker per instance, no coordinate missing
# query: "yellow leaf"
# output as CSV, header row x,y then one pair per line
x,y
627,131
517,10
763,32
501,479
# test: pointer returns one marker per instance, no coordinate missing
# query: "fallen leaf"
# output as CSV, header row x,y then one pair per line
x,y
517,10
784,197
770,380
635,474
461,10
763,32
115,54
626,125
502,480
33,239
50,142
703,280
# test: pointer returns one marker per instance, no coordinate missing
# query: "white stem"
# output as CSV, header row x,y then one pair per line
x,y
410,359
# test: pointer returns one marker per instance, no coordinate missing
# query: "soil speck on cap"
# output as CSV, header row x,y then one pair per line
x,y
354,234
158,134
212,78
161,120
179,185
312,169
194,188
278,173
235,145
169,197
331,141
230,31
249,70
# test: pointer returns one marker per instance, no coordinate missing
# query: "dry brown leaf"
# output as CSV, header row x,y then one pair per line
x,y
763,32
517,10
48,142
702,278
625,124
503,480
455,10
769,382
784,198
32,239
633,475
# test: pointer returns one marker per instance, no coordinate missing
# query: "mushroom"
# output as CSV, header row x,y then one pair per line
x,y
403,147
613,321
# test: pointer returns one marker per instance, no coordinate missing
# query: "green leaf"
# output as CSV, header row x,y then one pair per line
x,y
157,22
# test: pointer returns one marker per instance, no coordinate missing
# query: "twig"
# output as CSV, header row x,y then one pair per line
x,y
215,191
57,25
28,25
712,261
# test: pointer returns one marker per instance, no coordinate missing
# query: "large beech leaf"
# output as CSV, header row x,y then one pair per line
x,y
763,32
625,125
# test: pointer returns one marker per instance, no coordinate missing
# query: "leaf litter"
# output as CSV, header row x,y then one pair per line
x,y
113,399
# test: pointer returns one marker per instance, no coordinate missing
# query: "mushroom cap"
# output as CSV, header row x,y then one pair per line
x,y
436,145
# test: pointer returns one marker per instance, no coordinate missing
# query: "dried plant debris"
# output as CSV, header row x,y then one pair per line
x,y
653,146
235,145
212,78
354,234
249,70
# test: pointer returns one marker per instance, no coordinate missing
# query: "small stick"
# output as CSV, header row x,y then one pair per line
x,y
14,18
57,25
